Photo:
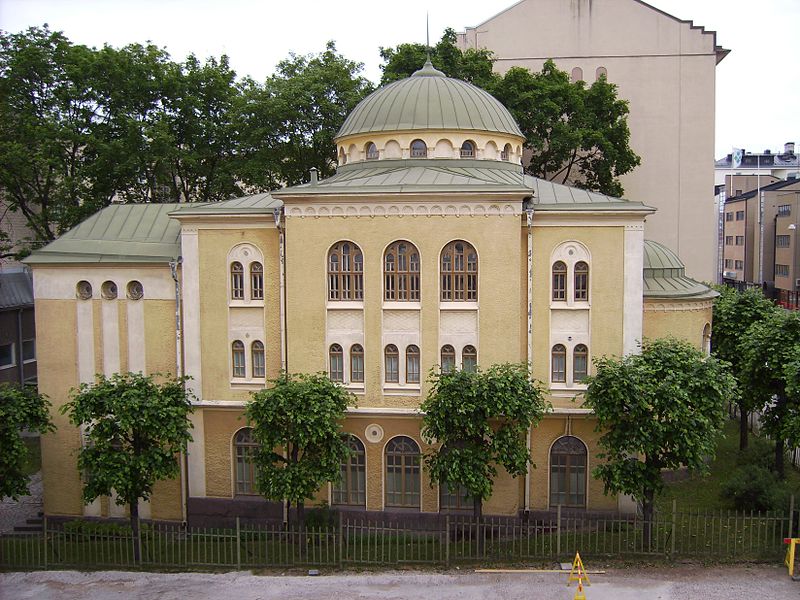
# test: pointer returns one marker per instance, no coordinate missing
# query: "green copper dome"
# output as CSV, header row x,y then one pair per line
x,y
665,275
429,100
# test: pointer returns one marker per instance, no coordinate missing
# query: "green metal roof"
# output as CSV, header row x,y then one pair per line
x,y
254,204
140,233
429,100
665,277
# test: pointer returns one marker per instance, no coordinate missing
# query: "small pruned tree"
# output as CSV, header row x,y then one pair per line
x,y
661,409
479,420
135,426
20,408
297,424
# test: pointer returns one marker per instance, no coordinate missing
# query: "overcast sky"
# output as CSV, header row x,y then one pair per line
x,y
758,84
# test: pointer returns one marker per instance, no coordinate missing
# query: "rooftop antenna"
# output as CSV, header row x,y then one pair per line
x,y
427,35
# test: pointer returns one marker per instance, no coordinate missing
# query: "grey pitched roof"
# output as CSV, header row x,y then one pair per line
x,y
664,276
777,185
255,204
16,290
141,233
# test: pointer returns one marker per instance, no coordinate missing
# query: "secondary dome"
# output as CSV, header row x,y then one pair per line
x,y
429,100
665,275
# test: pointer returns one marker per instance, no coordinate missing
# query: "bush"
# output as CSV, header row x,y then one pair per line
x,y
101,528
760,452
753,487
320,517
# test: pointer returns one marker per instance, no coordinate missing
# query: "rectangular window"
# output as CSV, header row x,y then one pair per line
x,y
412,367
729,240
28,350
728,263
739,265
356,366
781,270
7,356
782,241
740,215
729,216
740,240
784,210
392,368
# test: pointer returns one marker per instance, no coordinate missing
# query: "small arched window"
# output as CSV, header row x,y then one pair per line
x,y
468,150
412,364
568,472
342,157
402,473
581,281
336,362
237,281
448,358
351,489
577,74
244,448
558,370
459,272
559,281
356,363
259,365
469,359
401,272
372,151
345,272
580,363
419,149
237,351
707,338
256,281
505,153
601,72
392,364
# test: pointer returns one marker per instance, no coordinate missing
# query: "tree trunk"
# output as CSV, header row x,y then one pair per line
x,y
743,428
134,510
301,527
647,514
780,458
477,513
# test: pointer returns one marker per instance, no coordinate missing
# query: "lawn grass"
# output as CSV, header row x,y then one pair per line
x,y
33,462
702,492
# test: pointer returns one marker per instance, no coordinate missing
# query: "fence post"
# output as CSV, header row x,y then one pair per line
x,y
674,528
558,531
44,533
791,516
447,540
238,545
340,539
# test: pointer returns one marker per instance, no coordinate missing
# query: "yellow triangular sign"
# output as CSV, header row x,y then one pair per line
x,y
578,572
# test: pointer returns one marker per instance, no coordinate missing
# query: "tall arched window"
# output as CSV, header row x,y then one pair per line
x,y
402,473
259,366
336,362
468,150
568,472
244,447
601,72
401,272
412,364
356,363
580,363
392,364
351,489
505,153
256,281
419,149
577,74
469,359
558,371
559,281
372,151
345,272
459,272
707,338
581,281
448,358
237,281
237,350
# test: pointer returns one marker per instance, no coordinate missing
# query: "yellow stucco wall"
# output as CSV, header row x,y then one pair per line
x,y
683,320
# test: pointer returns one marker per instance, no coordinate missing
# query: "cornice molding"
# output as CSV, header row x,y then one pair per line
x,y
680,306
405,209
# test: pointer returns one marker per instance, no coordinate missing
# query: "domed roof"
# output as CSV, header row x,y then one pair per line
x,y
429,100
665,275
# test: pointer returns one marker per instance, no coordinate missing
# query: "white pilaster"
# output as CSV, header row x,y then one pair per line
x,y
110,317
633,261
196,452
190,271
137,361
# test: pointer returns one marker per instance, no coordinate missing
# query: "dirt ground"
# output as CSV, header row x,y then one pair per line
x,y
750,582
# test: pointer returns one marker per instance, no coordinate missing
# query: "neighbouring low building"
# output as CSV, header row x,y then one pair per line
x,y
17,327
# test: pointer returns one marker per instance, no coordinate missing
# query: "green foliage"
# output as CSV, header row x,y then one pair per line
x,y
480,419
296,422
661,409
135,426
754,487
758,453
100,528
20,408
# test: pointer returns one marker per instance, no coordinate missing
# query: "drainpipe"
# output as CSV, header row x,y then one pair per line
x,y
277,213
20,361
528,206
173,267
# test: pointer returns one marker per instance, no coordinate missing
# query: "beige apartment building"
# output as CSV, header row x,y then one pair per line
x,y
665,67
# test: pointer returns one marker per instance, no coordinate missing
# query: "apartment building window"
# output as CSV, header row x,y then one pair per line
x,y
740,240
412,364
256,281
558,373
559,281
28,351
739,265
729,216
469,359
351,488
237,349
729,240
392,364
7,358
781,270
237,281
336,360
581,281
728,263
259,366
448,358
784,210
740,215
580,363
782,241
356,363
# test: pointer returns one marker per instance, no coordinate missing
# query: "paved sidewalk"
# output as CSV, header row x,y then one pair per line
x,y
16,513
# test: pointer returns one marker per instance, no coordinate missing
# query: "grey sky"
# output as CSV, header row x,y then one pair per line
x,y
758,84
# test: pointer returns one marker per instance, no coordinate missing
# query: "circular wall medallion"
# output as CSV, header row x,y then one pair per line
x,y
373,433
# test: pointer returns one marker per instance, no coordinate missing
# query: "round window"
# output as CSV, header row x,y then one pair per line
x,y
83,290
135,290
109,290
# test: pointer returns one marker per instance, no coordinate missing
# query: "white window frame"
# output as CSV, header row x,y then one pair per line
x,y
13,362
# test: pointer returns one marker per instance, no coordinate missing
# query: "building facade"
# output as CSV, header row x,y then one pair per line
x,y
17,327
428,248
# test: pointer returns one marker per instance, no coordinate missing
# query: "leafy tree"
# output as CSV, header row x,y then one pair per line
x,y
734,312
20,408
791,374
661,409
768,355
296,422
135,427
480,420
